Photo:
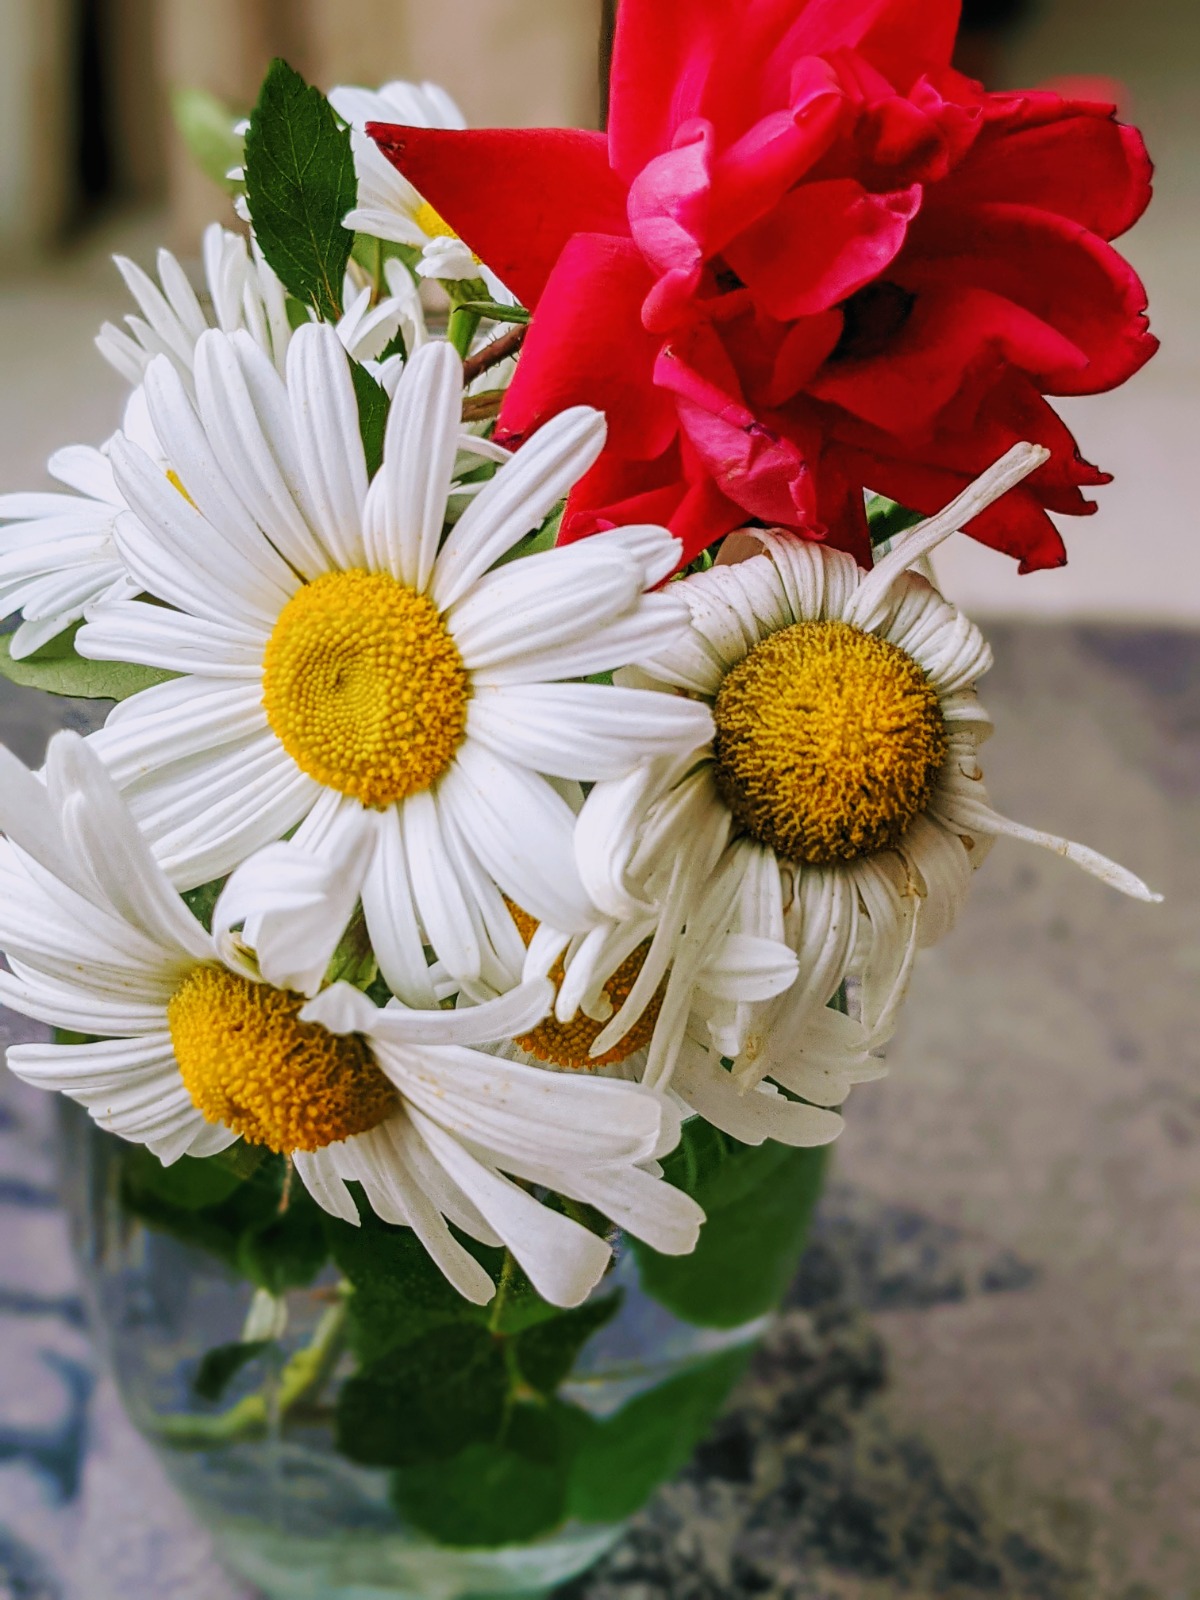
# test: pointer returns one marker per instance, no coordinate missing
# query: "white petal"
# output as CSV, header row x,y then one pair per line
x,y
585,731
444,912
752,1115
325,414
151,636
563,1261
517,499
406,507
499,808
186,716
390,911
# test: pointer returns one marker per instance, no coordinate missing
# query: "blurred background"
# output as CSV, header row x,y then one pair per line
x,y
994,1361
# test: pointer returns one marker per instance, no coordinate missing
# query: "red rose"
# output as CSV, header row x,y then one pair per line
x,y
809,258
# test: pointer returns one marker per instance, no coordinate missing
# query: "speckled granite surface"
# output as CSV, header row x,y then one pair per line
x,y
988,1383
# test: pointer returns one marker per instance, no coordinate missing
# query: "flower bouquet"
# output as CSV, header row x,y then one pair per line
x,y
539,750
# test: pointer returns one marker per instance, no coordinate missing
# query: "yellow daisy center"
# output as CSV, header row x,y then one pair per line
x,y
566,1044
829,742
248,1062
431,222
364,686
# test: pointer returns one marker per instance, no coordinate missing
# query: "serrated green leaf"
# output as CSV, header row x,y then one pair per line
x,y
545,1353
617,1463
373,407
206,126
495,311
758,1200
58,669
300,183
222,1364
491,1495
886,518
426,1401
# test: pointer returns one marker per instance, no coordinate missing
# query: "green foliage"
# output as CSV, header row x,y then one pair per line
x,y
495,312
759,1201
427,1400
206,126
505,1492
202,901
58,669
888,518
372,415
256,1222
399,1294
617,1463
545,1353
300,184
221,1365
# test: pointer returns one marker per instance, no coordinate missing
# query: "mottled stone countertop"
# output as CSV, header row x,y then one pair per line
x,y
988,1383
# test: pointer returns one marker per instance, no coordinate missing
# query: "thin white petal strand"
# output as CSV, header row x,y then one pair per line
x,y
390,910
317,1171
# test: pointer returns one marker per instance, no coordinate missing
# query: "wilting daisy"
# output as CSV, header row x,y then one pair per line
x,y
196,1052
57,555
843,771
715,970
244,293
396,698
388,205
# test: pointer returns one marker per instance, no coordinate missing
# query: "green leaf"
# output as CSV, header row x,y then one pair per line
x,y
496,312
545,1353
399,1292
57,669
492,1495
425,1401
759,1200
188,1184
222,1364
300,184
373,406
619,1462
240,1216
886,518
202,901
206,127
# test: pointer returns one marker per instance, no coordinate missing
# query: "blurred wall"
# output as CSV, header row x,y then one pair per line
x,y
518,62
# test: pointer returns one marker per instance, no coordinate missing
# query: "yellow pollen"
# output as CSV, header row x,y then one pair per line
x,y
176,482
829,742
566,1044
248,1062
364,686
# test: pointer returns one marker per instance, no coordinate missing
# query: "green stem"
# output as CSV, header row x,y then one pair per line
x,y
304,1376
507,1273
463,325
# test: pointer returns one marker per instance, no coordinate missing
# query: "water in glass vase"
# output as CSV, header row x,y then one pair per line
x,y
350,1429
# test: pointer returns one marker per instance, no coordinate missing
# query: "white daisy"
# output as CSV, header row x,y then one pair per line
x,y
349,674
715,969
388,205
843,780
57,555
244,293
197,1052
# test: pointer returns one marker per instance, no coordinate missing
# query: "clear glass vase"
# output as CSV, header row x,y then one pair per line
x,y
349,1430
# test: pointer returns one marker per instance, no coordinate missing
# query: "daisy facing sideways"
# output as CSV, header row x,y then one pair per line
x,y
195,1052
392,695
244,293
388,206
57,552
841,789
